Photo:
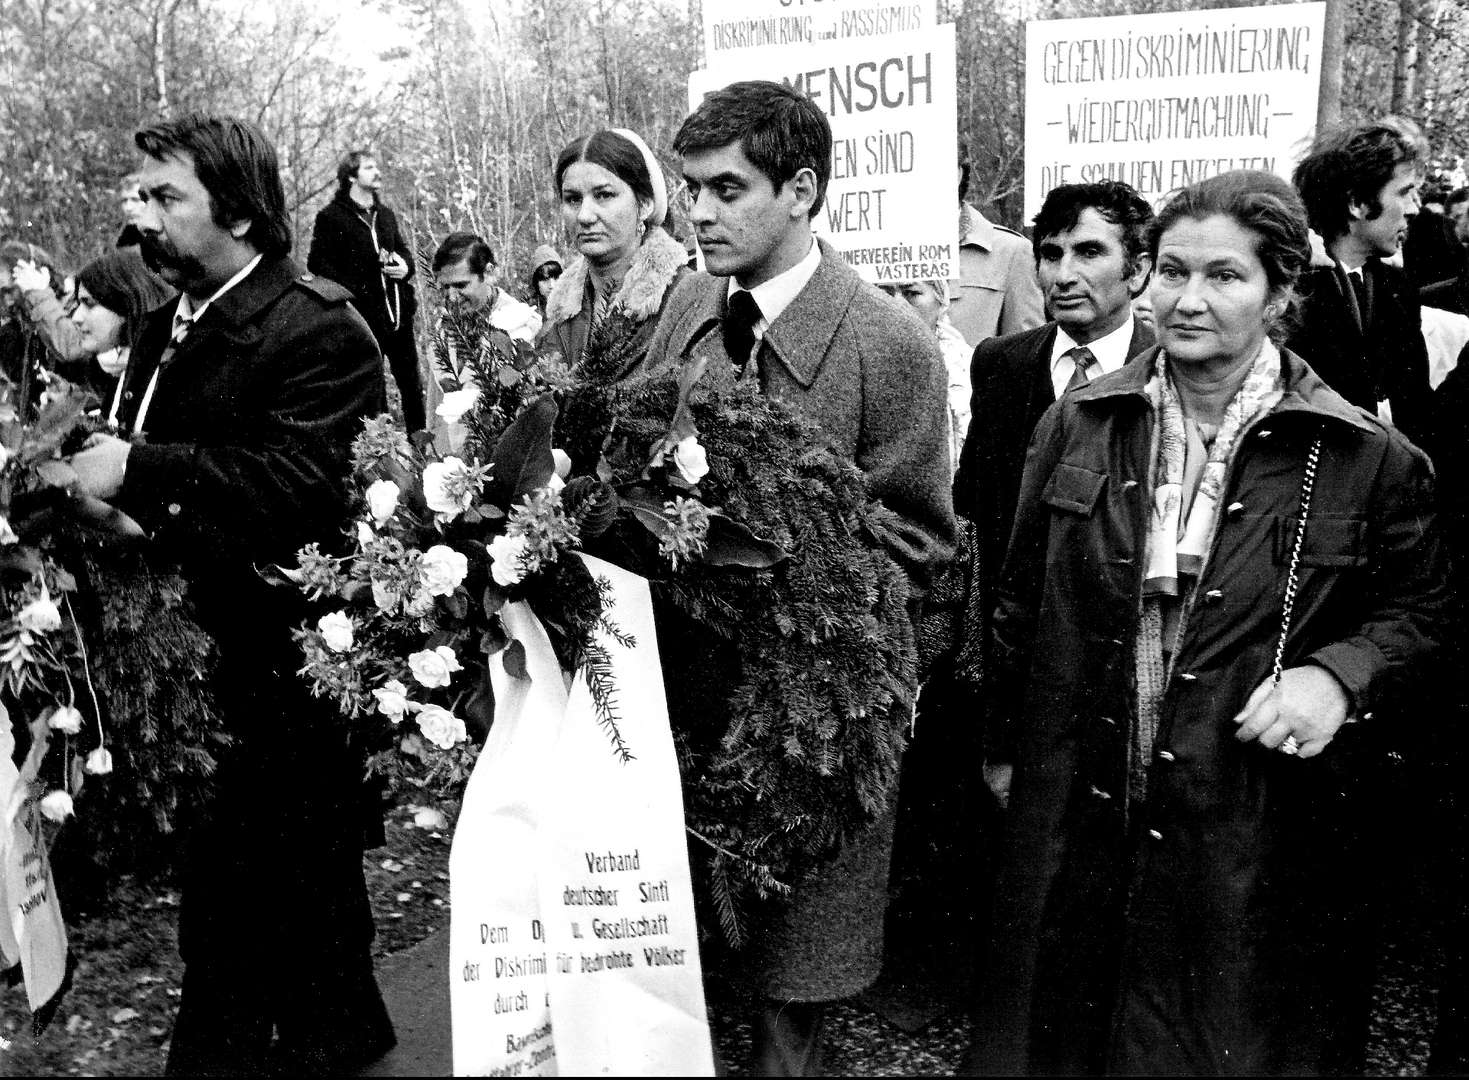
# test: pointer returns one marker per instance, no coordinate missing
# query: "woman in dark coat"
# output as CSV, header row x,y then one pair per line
x,y
614,203
1184,890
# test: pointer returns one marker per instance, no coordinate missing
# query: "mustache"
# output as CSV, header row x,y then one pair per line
x,y
157,252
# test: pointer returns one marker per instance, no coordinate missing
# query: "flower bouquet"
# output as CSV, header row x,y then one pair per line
x,y
795,671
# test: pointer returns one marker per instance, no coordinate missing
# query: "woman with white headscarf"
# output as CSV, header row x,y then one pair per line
x,y
614,202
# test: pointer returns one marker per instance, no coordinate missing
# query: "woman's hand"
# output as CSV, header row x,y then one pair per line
x,y
1308,705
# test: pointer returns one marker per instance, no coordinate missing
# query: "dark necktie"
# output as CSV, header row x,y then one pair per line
x,y
1082,357
740,317
1364,307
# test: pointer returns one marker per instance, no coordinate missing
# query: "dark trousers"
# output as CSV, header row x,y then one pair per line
x,y
276,933
401,352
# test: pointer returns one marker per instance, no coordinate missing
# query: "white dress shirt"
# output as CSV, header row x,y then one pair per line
x,y
1109,353
185,316
777,294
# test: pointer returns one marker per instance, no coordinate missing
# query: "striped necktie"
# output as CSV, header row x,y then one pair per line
x,y
1082,357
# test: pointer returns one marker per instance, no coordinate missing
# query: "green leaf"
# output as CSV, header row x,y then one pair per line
x,y
494,599
275,574
514,660
522,459
732,544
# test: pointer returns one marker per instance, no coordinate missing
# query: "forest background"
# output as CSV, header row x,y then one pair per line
x,y
467,102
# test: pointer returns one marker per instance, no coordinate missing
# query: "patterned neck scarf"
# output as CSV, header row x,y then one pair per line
x,y
1172,551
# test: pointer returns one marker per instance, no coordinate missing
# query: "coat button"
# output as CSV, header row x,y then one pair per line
x,y
127,395
1155,834
1188,677
175,509
1166,755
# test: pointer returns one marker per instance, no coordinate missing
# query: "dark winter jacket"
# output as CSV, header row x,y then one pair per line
x,y
1384,357
344,248
1210,932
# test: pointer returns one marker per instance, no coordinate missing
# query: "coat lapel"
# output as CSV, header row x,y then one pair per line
x,y
801,337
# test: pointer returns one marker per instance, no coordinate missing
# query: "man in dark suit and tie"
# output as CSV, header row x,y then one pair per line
x,y
1091,259
1361,326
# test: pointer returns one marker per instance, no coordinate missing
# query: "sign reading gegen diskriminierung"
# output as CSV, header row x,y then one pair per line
x,y
1162,101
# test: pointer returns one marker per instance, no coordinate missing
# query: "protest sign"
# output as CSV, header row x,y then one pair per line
x,y
1162,101
892,204
733,26
572,947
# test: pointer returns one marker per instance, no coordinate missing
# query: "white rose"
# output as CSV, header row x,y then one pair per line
x,y
4,456
336,630
57,806
426,817
385,597
555,484
441,727
456,403
7,534
563,462
365,535
434,667
67,719
40,615
392,700
507,559
99,761
438,479
382,499
442,569
690,459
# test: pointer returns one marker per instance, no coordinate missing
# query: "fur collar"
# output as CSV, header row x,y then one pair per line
x,y
657,263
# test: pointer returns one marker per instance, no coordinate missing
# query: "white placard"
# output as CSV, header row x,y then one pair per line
x,y
1162,101
892,204
572,943
734,26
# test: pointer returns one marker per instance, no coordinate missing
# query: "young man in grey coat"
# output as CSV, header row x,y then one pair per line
x,y
785,309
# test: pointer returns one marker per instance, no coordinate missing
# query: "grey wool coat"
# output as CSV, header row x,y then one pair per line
x,y
870,373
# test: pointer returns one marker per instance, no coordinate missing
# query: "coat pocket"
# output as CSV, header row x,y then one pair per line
x,y
1330,541
1074,489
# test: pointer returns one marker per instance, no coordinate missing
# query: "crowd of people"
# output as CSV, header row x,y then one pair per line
x,y
1162,482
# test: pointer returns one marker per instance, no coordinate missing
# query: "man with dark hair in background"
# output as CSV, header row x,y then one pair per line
x,y
242,401
1091,260
1361,328
786,312
356,242
468,277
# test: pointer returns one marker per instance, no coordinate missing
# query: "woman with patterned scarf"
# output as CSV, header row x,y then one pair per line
x,y
1217,565
614,202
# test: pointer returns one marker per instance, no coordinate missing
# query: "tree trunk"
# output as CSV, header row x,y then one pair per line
x,y
1407,10
1423,60
1333,49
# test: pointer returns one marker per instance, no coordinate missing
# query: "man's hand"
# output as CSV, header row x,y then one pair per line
x,y
997,779
101,465
29,277
1308,705
395,267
